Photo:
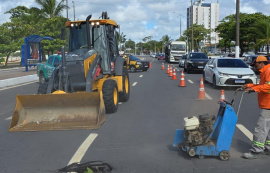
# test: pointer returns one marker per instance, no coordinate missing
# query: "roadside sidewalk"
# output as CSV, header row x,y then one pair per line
x,y
17,75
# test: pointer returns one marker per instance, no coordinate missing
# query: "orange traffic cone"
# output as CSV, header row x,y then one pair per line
x,y
222,96
162,67
168,69
174,77
150,65
170,74
182,80
201,95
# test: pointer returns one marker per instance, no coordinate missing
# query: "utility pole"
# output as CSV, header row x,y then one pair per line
x,y
180,28
67,8
180,16
237,29
191,16
141,46
74,9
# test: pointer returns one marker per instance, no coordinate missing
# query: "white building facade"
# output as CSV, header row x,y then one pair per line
x,y
206,14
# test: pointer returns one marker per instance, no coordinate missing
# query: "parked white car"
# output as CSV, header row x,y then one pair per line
x,y
227,71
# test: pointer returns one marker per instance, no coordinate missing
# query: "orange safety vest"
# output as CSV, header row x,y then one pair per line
x,y
263,88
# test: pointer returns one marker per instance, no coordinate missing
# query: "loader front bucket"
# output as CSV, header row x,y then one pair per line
x,y
58,112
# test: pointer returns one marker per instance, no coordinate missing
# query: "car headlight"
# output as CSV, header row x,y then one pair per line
x,y
222,74
190,62
253,75
139,63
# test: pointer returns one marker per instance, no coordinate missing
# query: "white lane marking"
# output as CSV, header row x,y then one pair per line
x,y
77,157
141,76
190,81
1,89
9,118
135,83
208,97
245,131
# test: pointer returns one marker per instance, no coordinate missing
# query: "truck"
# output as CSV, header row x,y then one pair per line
x,y
175,50
44,71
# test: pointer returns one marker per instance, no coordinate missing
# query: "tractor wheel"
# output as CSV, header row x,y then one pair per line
x,y
124,96
133,69
224,155
110,96
41,77
42,89
192,152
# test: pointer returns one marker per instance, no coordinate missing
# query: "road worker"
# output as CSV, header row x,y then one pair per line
x,y
261,136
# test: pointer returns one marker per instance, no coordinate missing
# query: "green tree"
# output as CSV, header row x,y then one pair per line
x,y
199,34
11,37
261,32
51,8
52,27
227,31
121,39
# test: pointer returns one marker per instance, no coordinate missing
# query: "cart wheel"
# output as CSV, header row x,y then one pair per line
x,y
224,155
201,157
192,152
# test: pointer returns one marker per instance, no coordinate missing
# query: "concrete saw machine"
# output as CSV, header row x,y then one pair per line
x,y
209,135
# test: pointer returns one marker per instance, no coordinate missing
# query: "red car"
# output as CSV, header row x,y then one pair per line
x,y
161,57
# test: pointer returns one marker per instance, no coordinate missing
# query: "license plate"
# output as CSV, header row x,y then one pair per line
x,y
146,66
200,66
239,81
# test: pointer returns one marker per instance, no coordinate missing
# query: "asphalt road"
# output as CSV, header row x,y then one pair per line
x,y
139,136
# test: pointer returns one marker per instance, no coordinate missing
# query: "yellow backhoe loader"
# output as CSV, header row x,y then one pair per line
x,y
90,82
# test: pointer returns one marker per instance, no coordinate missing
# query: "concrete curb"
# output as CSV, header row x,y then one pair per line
x,y
18,80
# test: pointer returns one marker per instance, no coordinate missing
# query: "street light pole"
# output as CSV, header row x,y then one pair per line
x,y
191,15
180,16
67,8
237,29
73,9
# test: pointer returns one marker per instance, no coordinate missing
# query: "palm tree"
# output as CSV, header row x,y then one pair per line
x,y
50,8
261,31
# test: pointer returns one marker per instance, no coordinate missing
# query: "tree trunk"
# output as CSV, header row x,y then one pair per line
x,y
267,48
7,58
225,44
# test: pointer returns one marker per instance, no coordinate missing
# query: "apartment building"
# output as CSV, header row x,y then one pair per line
x,y
206,14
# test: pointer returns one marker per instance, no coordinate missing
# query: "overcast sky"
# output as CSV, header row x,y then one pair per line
x,y
142,18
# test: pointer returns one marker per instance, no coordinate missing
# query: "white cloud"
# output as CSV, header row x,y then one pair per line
x,y
266,1
248,9
135,16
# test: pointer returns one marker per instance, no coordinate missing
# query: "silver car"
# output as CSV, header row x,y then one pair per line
x,y
227,71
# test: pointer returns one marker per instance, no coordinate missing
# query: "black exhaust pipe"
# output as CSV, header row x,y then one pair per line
x,y
88,31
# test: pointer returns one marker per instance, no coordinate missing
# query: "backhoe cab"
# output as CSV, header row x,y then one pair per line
x,y
90,81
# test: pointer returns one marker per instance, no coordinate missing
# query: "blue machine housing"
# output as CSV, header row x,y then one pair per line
x,y
220,137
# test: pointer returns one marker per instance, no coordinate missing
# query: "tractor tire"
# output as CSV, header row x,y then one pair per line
x,y
110,96
41,78
124,96
133,69
42,89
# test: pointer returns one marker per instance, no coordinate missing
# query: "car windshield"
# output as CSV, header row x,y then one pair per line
x,y
231,63
250,59
198,56
180,47
133,58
